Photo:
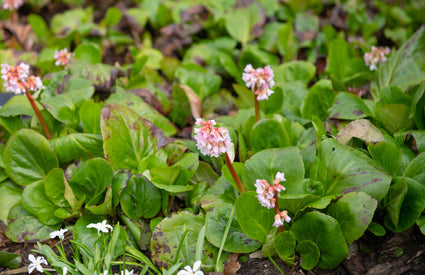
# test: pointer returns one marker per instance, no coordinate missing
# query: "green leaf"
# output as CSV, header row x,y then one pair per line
x,y
28,228
245,97
71,20
9,260
128,138
167,241
10,194
415,169
39,27
77,146
28,157
354,212
255,220
293,71
55,188
35,201
326,233
285,245
405,68
296,202
389,157
143,109
88,53
377,229
18,105
221,192
348,106
140,198
239,22
318,100
276,136
418,136
265,165
406,201
340,53
274,104
90,116
113,16
199,79
287,42
342,169
309,253
236,241
65,107
90,180
394,117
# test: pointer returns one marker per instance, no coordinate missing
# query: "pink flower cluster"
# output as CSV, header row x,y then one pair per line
x,y
17,79
62,57
212,141
280,217
259,81
12,4
376,57
267,193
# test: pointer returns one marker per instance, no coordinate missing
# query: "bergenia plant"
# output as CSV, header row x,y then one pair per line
x,y
376,57
18,80
214,141
260,81
268,197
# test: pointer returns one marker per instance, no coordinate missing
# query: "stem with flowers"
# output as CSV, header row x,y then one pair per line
x,y
233,173
39,116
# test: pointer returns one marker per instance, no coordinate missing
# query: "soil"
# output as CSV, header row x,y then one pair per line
x,y
393,254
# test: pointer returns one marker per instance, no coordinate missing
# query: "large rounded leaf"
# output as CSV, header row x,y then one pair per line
x,y
140,198
326,232
342,169
90,180
236,241
35,201
309,253
10,194
255,220
268,133
167,240
265,165
77,146
128,138
354,212
28,157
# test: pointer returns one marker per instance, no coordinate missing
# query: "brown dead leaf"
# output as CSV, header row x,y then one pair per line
x,y
194,101
233,266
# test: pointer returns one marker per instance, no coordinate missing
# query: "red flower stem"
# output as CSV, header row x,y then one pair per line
x,y
277,211
233,173
257,109
40,117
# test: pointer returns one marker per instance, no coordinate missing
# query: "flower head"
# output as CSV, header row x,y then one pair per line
x,y
280,218
62,57
36,263
125,272
59,233
375,57
259,81
12,4
101,226
189,271
212,141
267,193
18,80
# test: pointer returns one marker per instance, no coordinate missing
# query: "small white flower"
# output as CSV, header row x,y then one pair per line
x,y
101,226
104,272
59,233
189,271
65,270
36,263
280,176
126,272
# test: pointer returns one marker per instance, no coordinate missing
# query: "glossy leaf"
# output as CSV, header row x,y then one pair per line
x,y
77,146
349,106
10,194
342,169
89,53
326,233
285,245
236,241
276,136
309,253
389,157
55,188
28,157
318,100
90,116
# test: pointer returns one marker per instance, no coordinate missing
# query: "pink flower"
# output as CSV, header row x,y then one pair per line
x,y
17,79
212,141
259,81
376,57
280,218
266,193
62,57
12,4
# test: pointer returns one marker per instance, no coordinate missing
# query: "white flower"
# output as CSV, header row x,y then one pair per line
x,y
280,217
189,271
65,270
280,176
36,263
259,81
212,141
104,272
12,4
126,272
59,233
101,226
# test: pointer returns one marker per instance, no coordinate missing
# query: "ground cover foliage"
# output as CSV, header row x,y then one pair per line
x,y
346,130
